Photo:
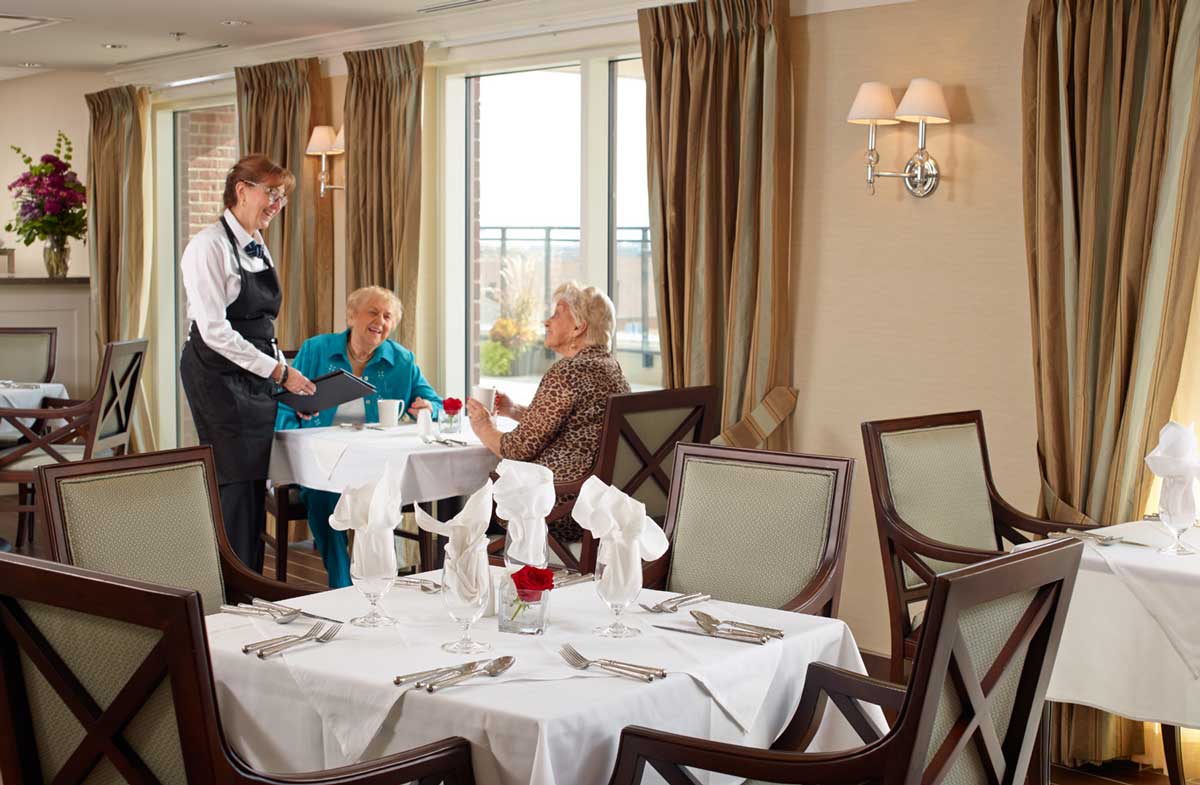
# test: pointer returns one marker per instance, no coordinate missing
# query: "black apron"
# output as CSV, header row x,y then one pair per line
x,y
232,408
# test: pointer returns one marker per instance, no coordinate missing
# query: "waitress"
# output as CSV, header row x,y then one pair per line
x,y
230,363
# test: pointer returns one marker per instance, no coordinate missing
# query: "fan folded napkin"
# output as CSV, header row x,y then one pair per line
x,y
626,537
373,511
1176,462
524,497
466,552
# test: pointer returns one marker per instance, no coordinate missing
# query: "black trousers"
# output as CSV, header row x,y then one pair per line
x,y
243,506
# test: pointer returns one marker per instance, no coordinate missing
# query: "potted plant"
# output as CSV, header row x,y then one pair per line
x,y
51,205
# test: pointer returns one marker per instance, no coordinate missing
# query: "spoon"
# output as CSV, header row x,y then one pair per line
x,y
493,668
713,629
737,626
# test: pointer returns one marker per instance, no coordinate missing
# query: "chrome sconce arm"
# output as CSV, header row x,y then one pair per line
x,y
920,175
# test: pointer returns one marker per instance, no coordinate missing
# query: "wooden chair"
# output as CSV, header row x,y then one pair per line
x,y
969,715
284,506
27,354
756,527
109,680
152,517
936,508
98,426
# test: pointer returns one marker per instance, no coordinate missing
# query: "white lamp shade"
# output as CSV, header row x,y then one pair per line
x,y
339,144
923,100
321,140
873,105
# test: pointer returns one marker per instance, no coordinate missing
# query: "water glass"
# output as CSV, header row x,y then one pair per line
x,y
619,600
1177,529
373,587
465,607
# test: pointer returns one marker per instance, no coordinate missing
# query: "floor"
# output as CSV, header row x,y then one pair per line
x,y
305,570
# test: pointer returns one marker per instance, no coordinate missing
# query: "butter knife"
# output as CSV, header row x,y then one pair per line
x,y
757,641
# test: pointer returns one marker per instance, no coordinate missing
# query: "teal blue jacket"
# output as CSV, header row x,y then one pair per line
x,y
391,369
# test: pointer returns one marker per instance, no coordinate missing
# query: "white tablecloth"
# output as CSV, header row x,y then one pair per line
x,y
29,395
1115,654
335,458
541,722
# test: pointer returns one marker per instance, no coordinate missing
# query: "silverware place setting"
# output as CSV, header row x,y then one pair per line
x,y
672,604
734,626
493,668
712,631
425,677
320,633
254,647
571,579
277,616
285,609
628,669
424,584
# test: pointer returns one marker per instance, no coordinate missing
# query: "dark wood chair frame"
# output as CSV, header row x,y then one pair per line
x,y
181,659
241,583
820,596
52,333
283,511
83,420
701,426
902,545
898,758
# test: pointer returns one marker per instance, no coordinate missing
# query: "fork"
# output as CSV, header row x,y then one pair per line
x,y
259,645
261,613
657,673
312,634
426,585
577,660
672,604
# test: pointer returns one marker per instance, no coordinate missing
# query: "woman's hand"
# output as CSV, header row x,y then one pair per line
x,y
418,404
298,383
506,408
479,416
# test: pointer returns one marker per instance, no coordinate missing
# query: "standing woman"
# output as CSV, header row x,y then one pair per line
x,y
230,363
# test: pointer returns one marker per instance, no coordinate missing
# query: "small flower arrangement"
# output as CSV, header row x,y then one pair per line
x,y
531,584
452,406
51,202
451,419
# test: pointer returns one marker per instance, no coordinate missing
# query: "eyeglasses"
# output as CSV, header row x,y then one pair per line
x,y
274,194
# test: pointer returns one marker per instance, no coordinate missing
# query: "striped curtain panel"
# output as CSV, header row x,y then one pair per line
x,y
1111,101
119,243
278,104
383,174
719,158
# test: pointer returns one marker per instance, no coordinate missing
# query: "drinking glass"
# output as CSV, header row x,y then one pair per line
x,y
373,584
622,600
512,563
465,608
1177,529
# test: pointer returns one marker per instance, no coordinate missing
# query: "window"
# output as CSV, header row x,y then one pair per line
x,y
555,190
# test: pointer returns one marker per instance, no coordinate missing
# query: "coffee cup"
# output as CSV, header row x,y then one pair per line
x,y
389,411
486,396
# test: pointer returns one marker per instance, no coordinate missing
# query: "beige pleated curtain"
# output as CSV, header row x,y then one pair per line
x,y
278,104
719,145
119,190
383,174
1111,98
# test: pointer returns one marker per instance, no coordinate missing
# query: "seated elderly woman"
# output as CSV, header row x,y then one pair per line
x,y
560,428
364,350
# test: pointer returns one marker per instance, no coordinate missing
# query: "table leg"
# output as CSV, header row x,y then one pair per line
x,y
1173,752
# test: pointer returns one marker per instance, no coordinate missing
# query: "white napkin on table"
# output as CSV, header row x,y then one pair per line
x,y
373,511
466,553
1176,462
626,537
524,497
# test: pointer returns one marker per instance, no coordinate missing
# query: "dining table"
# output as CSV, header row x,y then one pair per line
x,y
23,395
541,722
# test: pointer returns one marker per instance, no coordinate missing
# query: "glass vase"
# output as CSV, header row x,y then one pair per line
x,y
523,615
57,256
450,423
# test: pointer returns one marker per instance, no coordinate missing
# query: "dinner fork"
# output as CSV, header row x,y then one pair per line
x,y
578,661
657,673
672,604
276,648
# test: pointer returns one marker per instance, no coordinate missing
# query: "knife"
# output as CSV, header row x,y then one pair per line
x,y
740,638
277,606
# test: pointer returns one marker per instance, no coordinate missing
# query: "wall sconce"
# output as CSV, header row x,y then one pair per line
x,y
923,103
324,143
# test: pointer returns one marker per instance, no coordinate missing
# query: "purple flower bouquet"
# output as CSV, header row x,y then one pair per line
x,y
51,204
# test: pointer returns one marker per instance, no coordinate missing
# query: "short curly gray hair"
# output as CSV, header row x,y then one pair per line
x,y
589,305
360,297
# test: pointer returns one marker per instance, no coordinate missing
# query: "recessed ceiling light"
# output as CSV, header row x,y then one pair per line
x,y
177,36
234,22
31,65
115,46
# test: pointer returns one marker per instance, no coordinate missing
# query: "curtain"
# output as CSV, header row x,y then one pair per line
x,y
1111,100
719,157
278,104
119,188
383,174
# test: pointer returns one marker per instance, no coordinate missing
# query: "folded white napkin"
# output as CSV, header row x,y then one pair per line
x,y
1176,462
466,553
373,511
524,497
626,537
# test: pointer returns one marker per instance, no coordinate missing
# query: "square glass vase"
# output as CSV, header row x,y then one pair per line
x,y
522,615
450,423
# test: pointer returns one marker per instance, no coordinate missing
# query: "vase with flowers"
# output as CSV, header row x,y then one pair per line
x,y
525,600
51,205
451,419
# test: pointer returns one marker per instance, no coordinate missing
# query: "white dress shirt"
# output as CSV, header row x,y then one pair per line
x,y
211,283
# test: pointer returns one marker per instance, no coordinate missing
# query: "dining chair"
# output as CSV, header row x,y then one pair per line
x,y
756,527
969,715
108,679
97,426
152,517
936,507
27,354
284,506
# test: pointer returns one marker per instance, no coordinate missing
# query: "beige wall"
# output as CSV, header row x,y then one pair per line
x,y
34,109
907,306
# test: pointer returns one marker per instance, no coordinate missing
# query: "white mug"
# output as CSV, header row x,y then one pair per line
x,y
389,411
485,395
424,422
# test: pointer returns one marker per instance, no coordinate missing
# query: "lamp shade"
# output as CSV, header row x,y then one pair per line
x,y
923,100
873,105
339,144
321,140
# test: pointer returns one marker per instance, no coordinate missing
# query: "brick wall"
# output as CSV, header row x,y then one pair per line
x,y
206,146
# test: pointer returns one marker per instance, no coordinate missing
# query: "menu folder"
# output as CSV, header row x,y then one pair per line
x,y
333,389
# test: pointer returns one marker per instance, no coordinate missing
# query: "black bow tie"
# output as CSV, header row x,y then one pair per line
x,y
256,249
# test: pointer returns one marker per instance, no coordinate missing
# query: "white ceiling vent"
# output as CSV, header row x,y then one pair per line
x,y
175,55
11,23
450,6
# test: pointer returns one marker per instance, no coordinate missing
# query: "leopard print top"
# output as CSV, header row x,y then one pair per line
x,y
561,426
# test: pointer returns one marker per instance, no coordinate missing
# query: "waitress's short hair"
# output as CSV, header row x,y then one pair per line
x,y
256,168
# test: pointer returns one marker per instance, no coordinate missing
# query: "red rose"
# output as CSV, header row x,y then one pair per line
x,y
531,582
451,405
